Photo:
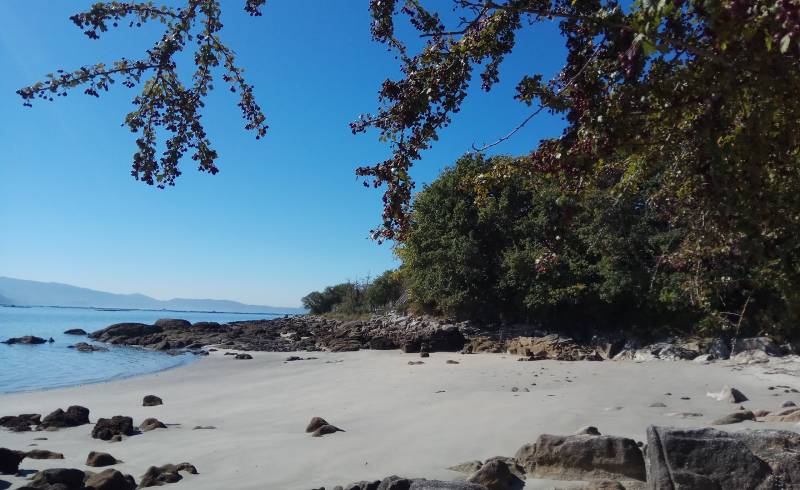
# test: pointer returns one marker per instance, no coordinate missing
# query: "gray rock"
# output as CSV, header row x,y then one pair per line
x,y
495,475
74,416
151,401
709,458
109,479
98,460
728,395
119,425
151,424
25,340
582,457
788,404
735,418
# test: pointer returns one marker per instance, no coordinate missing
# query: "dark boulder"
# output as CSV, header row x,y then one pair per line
x,y
73,417
75,331
151,401
20,423
58,479
448,339
26,340
9,461
125,330
243,357
43,454
495,475
315,423
709,458
583,457
118,425
109,479
98,460
156,476
151,424
382,343
325,430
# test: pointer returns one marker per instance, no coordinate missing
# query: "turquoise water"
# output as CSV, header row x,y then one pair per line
x,y
31,367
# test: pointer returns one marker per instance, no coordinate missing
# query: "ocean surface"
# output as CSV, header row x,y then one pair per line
x,y
32,367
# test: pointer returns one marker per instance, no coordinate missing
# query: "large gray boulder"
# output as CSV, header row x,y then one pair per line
x,y
582,457
714,459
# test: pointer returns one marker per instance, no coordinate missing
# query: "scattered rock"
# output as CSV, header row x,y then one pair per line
x,y
451,361
20,423
728,395
84,347
156,476
43,454
151,401
26,340
109,479
495,475
118,425
415,363
735,418
657,405
73,417
788,403
151,424
685,415
98,459
75,331
9,461
204,427
243,357
583,457
325,429
789,414
709,458
424,354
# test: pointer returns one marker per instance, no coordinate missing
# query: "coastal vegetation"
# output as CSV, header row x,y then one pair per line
x,y
669,199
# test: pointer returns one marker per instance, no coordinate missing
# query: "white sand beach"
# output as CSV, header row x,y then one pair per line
x,y
412,421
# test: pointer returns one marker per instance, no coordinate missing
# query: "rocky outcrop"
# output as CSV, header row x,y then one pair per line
x,y
20,423
551,347
84,347
122,333
9,461
583,457
709,458
58,479
99,460
398,483
75,331
118,425
155,476
26,340
74,416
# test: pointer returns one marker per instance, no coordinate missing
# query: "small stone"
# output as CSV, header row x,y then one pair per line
x,y
450,361
151,401
204,427
788,404
243,357
589,430
98,459
151,424
657,405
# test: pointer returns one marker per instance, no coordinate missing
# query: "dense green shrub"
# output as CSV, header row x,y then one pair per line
x,y
354,298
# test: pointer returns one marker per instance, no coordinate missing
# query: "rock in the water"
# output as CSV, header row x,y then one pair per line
x,y
73,417
151,401
58,479
709,458
9,461
156,476
583,457
109,479
75,331
325,429
121,331
728,395
495,475
84,347
151,424
43,454
735,418
98,460
26,340
118,425
315,423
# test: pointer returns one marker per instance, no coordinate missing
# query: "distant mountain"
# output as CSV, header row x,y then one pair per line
x,y
21,292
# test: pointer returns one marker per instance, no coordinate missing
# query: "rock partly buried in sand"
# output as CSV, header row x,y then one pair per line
x,y
75,331
118,425
398,483
415,363
450,361
58,479
325,430
84,347
21,422
657,405
467,467
9,461
243,357
109,479
26,340
495,475
790,414
99,460
582,457
151,424
74,416
315,423
728,395
155,476
710,458
151,401
203,427
589,430
43,454
788,404
735,418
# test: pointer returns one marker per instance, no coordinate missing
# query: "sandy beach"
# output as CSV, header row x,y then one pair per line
x,y
409,420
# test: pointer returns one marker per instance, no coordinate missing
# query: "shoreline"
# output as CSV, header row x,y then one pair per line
x,y
409,420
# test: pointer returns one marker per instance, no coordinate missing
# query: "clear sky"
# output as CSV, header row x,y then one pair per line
x,y
284,216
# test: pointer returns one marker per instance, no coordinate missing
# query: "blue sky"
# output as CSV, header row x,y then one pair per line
x,y
284,216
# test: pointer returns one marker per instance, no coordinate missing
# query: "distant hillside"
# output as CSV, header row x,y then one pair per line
x,y
33,293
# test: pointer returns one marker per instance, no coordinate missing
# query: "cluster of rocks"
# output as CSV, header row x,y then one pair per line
x,y
672,458
58,419
109,479
27,340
